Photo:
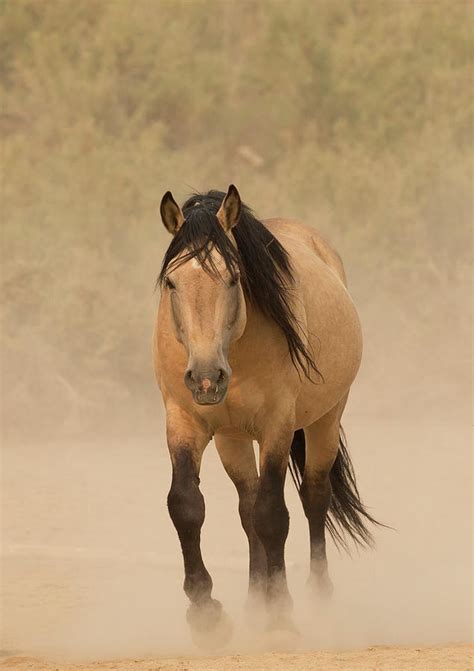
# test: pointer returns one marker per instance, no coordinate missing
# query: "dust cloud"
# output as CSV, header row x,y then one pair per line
x,y
92,566
361,126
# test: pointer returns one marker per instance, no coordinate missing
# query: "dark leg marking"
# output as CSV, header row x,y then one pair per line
x,y
187,510
316,497
257,555
271,522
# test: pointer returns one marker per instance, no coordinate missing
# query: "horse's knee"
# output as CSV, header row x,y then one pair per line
x,y
271,519
316,492
186,507
185,501
247,497
270,514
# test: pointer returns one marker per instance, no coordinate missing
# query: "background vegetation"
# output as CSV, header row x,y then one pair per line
x,y
355,115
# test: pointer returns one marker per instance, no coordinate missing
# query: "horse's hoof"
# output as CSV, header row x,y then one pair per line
x,y
210,627
282,634
321,585
281,622
255,617
255,605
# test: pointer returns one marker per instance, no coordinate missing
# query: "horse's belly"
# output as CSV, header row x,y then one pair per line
x,y
338,352
312,406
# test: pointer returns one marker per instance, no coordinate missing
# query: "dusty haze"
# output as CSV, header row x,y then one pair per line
x,y
361,127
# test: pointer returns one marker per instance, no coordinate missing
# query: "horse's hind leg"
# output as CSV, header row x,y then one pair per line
x,y
322,444
186,443
238,459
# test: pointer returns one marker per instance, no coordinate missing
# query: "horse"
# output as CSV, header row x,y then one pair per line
x,y
256,339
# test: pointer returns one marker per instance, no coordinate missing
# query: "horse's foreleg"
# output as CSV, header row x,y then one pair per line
x,y
186,507
238,459
322,444
271,519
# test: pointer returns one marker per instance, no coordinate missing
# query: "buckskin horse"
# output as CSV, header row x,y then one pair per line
x,y
256,338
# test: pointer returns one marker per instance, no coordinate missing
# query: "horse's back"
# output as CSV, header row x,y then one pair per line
x,y
295,229
327,313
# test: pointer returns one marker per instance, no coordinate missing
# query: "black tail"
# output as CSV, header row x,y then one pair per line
x,y
347,513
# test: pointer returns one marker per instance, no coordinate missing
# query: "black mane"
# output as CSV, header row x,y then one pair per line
x,y
264,265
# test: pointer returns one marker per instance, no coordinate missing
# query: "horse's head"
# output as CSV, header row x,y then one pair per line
x,y
201,274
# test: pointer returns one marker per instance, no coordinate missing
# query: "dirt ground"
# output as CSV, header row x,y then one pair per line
x,y
91,567
395,658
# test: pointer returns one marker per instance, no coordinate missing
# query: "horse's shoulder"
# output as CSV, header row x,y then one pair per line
x,y
302,233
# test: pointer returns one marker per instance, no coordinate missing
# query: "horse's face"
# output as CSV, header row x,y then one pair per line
x,y
208,313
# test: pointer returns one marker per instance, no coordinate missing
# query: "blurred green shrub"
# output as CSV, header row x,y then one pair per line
x,y
359,114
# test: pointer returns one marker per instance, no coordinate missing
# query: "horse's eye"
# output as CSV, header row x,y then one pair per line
x,y
169,284
234,281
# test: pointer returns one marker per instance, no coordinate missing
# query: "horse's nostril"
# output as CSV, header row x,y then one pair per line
x,y
222,375
188,377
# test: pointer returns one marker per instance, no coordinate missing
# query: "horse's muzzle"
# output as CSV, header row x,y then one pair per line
x,y
208,387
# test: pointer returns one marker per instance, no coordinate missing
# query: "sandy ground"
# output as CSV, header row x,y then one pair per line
x,y
395,658
91,567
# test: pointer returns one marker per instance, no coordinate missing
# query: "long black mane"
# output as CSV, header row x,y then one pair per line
x,y
263,263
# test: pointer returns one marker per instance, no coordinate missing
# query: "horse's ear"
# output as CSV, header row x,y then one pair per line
x,y
171,214
229,211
